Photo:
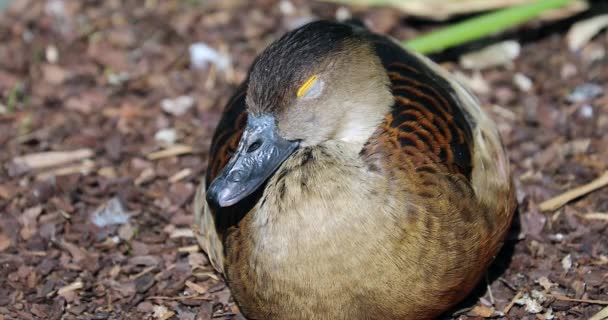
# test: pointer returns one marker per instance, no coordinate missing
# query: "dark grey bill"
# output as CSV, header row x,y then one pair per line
x,y
260,152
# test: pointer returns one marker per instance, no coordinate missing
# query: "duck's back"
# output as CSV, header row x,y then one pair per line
x,y
445,154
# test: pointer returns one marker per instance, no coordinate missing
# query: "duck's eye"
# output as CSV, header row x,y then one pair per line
x,y
311,88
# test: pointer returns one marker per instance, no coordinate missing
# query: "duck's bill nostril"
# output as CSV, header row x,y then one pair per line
x,y
254,146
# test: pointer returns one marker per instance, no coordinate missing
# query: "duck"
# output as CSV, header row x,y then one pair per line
x,y
351,178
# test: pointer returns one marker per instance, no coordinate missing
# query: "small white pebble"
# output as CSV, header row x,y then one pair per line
x,y
499,54
567,263
522,82
343,14
558,237
585,92
55,8
177,106
287,8
52,54
201,55
116,79
586,111
568,71
530,304
112,213
166,136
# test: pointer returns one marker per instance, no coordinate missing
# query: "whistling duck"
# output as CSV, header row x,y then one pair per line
x,y
350,178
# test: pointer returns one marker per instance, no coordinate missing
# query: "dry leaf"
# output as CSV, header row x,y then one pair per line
x,y
602,315
581,32
5,242
483,311
546,283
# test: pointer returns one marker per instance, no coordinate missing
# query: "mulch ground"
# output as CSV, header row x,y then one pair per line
x,y
105,233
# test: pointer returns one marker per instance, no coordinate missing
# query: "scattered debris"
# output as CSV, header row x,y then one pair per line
x,y
499,54
177,106
103,91
111,213
581,32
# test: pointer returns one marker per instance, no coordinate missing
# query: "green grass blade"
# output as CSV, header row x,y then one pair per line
x,y
481,26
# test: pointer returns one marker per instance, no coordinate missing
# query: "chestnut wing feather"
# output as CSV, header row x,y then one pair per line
x,y
227,134
425,122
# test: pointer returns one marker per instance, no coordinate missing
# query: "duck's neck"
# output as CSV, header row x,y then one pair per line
x,y
363,118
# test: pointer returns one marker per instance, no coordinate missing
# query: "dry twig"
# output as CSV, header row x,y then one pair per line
x,y
560,200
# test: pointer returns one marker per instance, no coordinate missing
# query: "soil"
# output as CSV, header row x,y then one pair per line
x,y
107,235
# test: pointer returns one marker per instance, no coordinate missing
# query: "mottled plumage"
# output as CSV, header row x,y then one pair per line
x,y
392,206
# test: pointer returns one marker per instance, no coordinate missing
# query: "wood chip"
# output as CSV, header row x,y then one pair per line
x,y
188,249
193,297
70,287
5,242
51,158
172,151
602,315
197,288
162,313
595,216
483,311
560,200
182,233
180,175
83,168
590,301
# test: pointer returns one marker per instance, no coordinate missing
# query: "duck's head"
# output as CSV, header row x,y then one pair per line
x,y
318,83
